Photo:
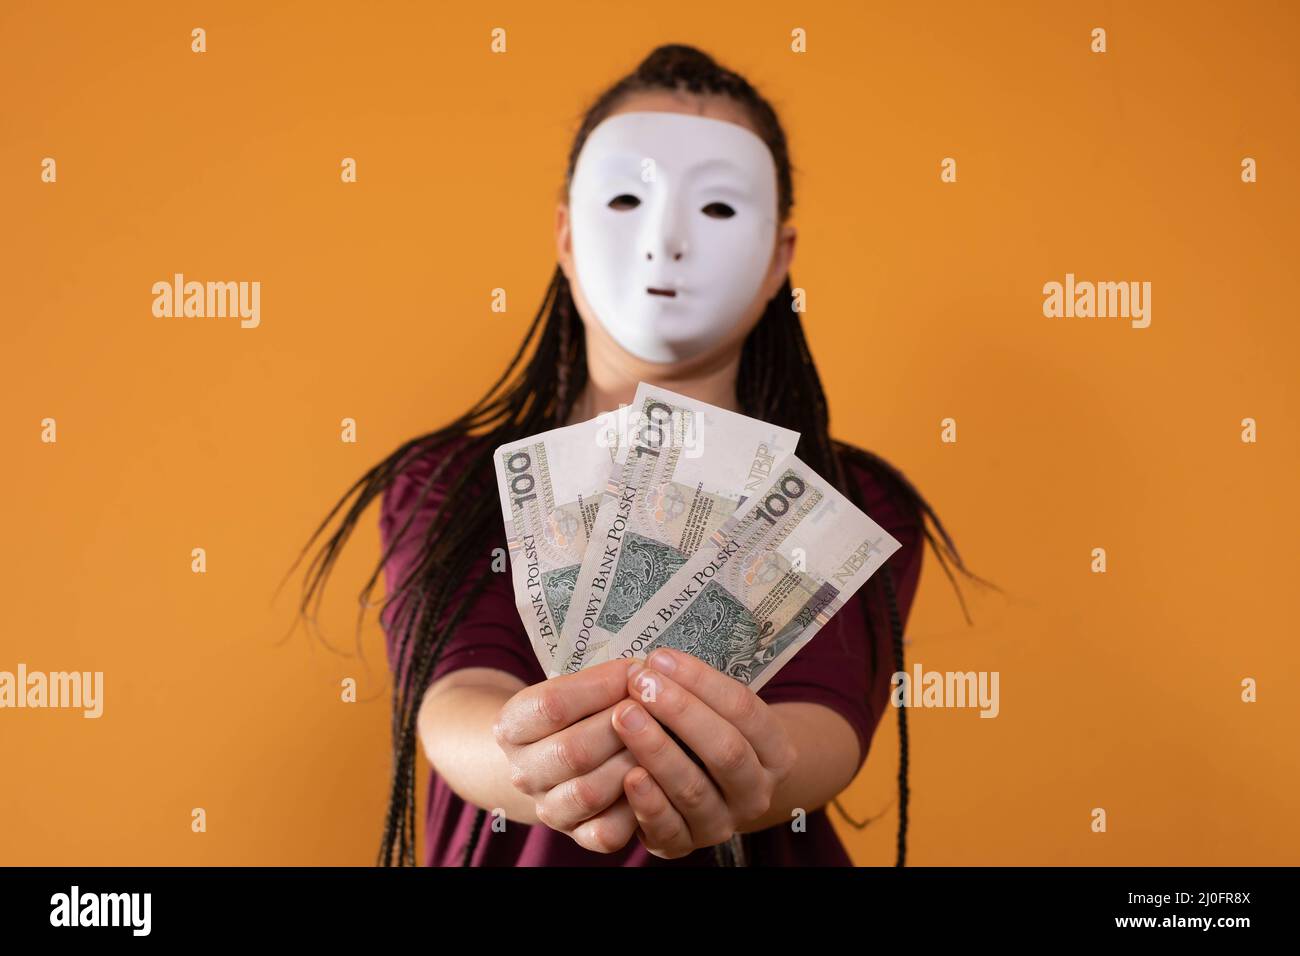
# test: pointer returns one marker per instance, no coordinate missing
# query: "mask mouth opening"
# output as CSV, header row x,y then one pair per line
x,y
670,293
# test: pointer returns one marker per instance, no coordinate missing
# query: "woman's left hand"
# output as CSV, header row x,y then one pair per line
x,y
743,744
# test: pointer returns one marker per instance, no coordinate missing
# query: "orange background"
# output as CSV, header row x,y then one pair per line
x,y
1119,690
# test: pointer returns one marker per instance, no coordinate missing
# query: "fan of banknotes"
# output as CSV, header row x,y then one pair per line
x,y
672,522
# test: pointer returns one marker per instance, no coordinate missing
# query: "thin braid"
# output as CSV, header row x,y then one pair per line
x,y
562,367
896,628
404,766
427,659
407,747
416,674
766,368
474,832
393,827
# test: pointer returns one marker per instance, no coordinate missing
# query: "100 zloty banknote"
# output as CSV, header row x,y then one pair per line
x,y
550,486
684,467
766,581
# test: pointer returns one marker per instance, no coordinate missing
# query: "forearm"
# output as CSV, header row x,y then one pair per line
x,y
455,729
827,762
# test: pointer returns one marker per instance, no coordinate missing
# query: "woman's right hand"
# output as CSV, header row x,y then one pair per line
x,y
565,754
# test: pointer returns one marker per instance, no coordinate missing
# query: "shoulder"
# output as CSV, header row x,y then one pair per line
x,y
424,474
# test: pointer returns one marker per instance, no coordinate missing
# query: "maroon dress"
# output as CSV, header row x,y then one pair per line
x,y
838,668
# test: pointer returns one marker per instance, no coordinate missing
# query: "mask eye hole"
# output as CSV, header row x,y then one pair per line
x,y
624,201
718,210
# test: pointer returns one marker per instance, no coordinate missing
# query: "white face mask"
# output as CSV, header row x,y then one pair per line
x,y
671,265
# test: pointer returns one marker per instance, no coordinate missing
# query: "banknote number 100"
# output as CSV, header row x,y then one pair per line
x,y
519,466
791,486
650,436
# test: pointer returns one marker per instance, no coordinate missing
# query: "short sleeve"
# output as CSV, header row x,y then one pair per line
x,y
489,632
847,665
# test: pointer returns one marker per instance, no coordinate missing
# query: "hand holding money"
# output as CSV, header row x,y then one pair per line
x,y
564,754
744,747
694,537
687,526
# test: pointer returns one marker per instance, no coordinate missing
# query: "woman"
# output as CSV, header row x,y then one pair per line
x,y
679,278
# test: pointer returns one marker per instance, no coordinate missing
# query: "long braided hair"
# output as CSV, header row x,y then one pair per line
x,y
777,382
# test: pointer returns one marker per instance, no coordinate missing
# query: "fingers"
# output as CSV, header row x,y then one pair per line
x,y
544,708
688,787
730,699
727,754
570,753
662,829
609,830
581,798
